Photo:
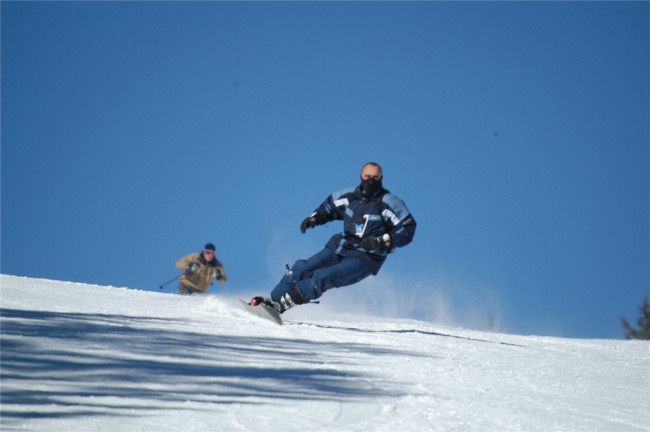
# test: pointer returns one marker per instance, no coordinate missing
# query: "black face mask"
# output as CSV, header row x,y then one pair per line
x,y
371,186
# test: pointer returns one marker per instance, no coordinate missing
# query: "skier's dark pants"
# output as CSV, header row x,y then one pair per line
x,y
319,273
185,290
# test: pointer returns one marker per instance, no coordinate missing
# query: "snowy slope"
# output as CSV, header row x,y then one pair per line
x,y
79,357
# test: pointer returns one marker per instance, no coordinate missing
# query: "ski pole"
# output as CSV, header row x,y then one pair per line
x,y
170,281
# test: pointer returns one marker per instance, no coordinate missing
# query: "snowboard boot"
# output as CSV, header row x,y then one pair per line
x,y
286,302
267,301
289,300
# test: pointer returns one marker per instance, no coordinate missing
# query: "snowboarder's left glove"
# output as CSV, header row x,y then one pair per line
x,y
374,243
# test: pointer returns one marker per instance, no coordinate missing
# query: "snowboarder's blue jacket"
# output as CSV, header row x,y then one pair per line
x,y
366,215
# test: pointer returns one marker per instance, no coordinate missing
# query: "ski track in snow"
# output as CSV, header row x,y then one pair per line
x,y
79,357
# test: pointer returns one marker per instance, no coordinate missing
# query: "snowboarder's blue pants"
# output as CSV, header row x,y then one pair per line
x,y
319,273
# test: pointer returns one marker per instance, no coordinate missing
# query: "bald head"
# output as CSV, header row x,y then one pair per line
x,y
371,170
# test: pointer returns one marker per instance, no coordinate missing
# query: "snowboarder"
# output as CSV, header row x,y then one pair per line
x,y
375,222
200,269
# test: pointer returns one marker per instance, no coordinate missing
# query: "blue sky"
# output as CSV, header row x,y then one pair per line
x,y
517,133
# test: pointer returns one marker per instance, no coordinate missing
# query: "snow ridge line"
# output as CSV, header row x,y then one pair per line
x,y
399,331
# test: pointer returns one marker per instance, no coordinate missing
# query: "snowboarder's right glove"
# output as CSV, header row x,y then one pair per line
x,y
374,243
314,220
192,267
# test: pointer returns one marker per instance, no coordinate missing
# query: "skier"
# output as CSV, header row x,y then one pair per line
x,y
375,222
200,269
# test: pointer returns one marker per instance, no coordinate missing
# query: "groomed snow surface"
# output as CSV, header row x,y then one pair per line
x,y
78,357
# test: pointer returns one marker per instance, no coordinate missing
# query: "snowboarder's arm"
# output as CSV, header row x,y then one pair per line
x,y
403,233
333,208
402,222
328,211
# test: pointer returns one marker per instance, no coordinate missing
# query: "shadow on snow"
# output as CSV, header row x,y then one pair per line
x,y
102,364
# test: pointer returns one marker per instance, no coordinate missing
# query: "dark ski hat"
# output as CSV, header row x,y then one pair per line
x,y
210,247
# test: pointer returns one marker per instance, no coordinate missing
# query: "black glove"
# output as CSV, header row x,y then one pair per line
x,y
312,221
373,243
220,275
192,267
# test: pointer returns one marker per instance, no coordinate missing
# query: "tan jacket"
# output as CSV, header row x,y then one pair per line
x,y
201,278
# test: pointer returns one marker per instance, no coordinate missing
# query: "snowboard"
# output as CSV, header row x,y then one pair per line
x,y
263,311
